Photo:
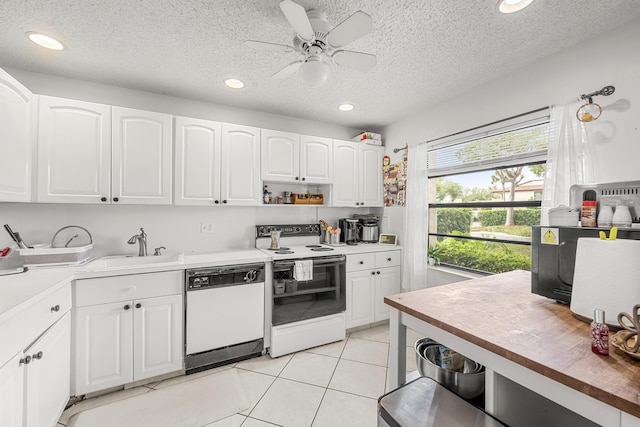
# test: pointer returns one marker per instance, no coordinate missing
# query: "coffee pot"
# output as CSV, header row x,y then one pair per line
x,y
349,231
275,239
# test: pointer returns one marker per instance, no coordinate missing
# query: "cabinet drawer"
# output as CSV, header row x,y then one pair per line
x,y
360,262
105,290
45,312
387,259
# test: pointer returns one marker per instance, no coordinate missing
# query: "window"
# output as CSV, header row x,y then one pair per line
x,y
485,191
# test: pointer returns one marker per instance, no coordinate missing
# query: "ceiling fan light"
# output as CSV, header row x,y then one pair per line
x,y
314,73
511,6
45,41
346,107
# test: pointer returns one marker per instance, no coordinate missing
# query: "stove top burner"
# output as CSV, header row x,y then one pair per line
x,y
281,249
283,252
313,246
321,249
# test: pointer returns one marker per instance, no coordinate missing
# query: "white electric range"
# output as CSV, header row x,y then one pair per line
x,y
308,289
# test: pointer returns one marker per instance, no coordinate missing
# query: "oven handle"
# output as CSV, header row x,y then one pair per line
x,y
316,261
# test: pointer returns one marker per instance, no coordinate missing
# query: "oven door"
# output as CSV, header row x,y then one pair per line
x,y
323,295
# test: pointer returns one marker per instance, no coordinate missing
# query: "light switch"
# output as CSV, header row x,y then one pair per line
x,y
206,227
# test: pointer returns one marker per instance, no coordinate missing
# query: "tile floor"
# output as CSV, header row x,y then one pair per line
x,y
336,384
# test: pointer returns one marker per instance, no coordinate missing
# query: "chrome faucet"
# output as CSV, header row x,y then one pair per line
x,y
142,241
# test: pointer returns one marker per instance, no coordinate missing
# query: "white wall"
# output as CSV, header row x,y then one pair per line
x,y
175,227
609,59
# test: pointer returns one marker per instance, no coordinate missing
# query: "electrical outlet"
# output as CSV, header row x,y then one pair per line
x,y
206,227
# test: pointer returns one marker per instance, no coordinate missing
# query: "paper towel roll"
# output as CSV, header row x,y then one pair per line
x,y
606,276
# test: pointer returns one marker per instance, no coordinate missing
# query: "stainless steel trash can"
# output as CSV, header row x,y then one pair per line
x,y
425,403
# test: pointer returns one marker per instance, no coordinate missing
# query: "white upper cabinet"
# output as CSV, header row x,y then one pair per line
x,y
74,151
16,140
141,157
280,156
371,177
289,157
240,182
316,160
357,175
197,161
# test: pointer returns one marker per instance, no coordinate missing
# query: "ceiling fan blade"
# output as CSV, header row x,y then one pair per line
x,y
297,17
255,44
287,70
354,60
351,29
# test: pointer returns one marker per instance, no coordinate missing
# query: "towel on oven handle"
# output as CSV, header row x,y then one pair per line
x,y
303,270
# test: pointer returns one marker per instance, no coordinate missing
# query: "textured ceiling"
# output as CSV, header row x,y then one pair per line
x,y
427,50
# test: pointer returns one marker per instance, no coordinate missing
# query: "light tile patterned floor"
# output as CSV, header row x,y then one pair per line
x,y
336,384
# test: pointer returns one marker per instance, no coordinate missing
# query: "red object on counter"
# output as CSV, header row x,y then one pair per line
x,y
5,251
599,334
588,213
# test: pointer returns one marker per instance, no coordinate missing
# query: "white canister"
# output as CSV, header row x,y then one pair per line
x,y
621,217
605,217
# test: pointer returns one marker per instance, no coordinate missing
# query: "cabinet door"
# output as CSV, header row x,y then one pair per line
x,y
316,160
48,375
157,332
280,154
360,290
371,187
240,179
141,157
345,174
103,347
74,151
197,161
16,140
12,392
387,283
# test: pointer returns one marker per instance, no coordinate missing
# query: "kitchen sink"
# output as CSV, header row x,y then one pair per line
x,y
134,260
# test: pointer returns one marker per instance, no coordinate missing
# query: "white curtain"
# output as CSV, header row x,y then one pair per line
x,y
414,273
569,160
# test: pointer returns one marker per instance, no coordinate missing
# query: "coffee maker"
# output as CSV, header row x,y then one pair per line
x,y
349,231
368,227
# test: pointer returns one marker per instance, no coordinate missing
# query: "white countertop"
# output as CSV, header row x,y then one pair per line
x,y
18,290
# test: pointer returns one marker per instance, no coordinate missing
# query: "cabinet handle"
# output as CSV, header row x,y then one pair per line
x,y
297,178
127,307
217,202
304,179
377,272
115,199
103,199
26,360
373,273
38,355
224,202
389,259
138,305
55,308
361,262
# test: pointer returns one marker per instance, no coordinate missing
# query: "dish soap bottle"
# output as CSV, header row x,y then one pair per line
x,y
599,334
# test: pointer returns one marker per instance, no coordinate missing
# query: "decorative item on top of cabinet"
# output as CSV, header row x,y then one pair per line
x,y
357,175
293,158
371,277
16,140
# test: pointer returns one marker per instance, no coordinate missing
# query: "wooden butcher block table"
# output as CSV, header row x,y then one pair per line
x,y
526,342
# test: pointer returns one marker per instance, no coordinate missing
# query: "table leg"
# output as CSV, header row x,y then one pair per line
x,y
398,350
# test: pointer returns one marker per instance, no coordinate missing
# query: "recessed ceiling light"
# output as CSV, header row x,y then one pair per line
x,y
45,41
234,83
345,107
511,6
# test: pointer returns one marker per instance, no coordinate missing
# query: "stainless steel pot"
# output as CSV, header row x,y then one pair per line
x,y
368,233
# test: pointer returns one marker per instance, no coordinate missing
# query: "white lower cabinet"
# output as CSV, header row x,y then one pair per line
x,y
12,392
129,339
371,277
47,375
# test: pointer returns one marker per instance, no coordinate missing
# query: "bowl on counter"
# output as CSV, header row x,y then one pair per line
x,y
467,384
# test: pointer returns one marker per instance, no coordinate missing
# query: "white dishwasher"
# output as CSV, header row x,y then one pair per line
x,y
224,315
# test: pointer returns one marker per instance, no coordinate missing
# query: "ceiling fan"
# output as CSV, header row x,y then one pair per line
x,y
318,46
